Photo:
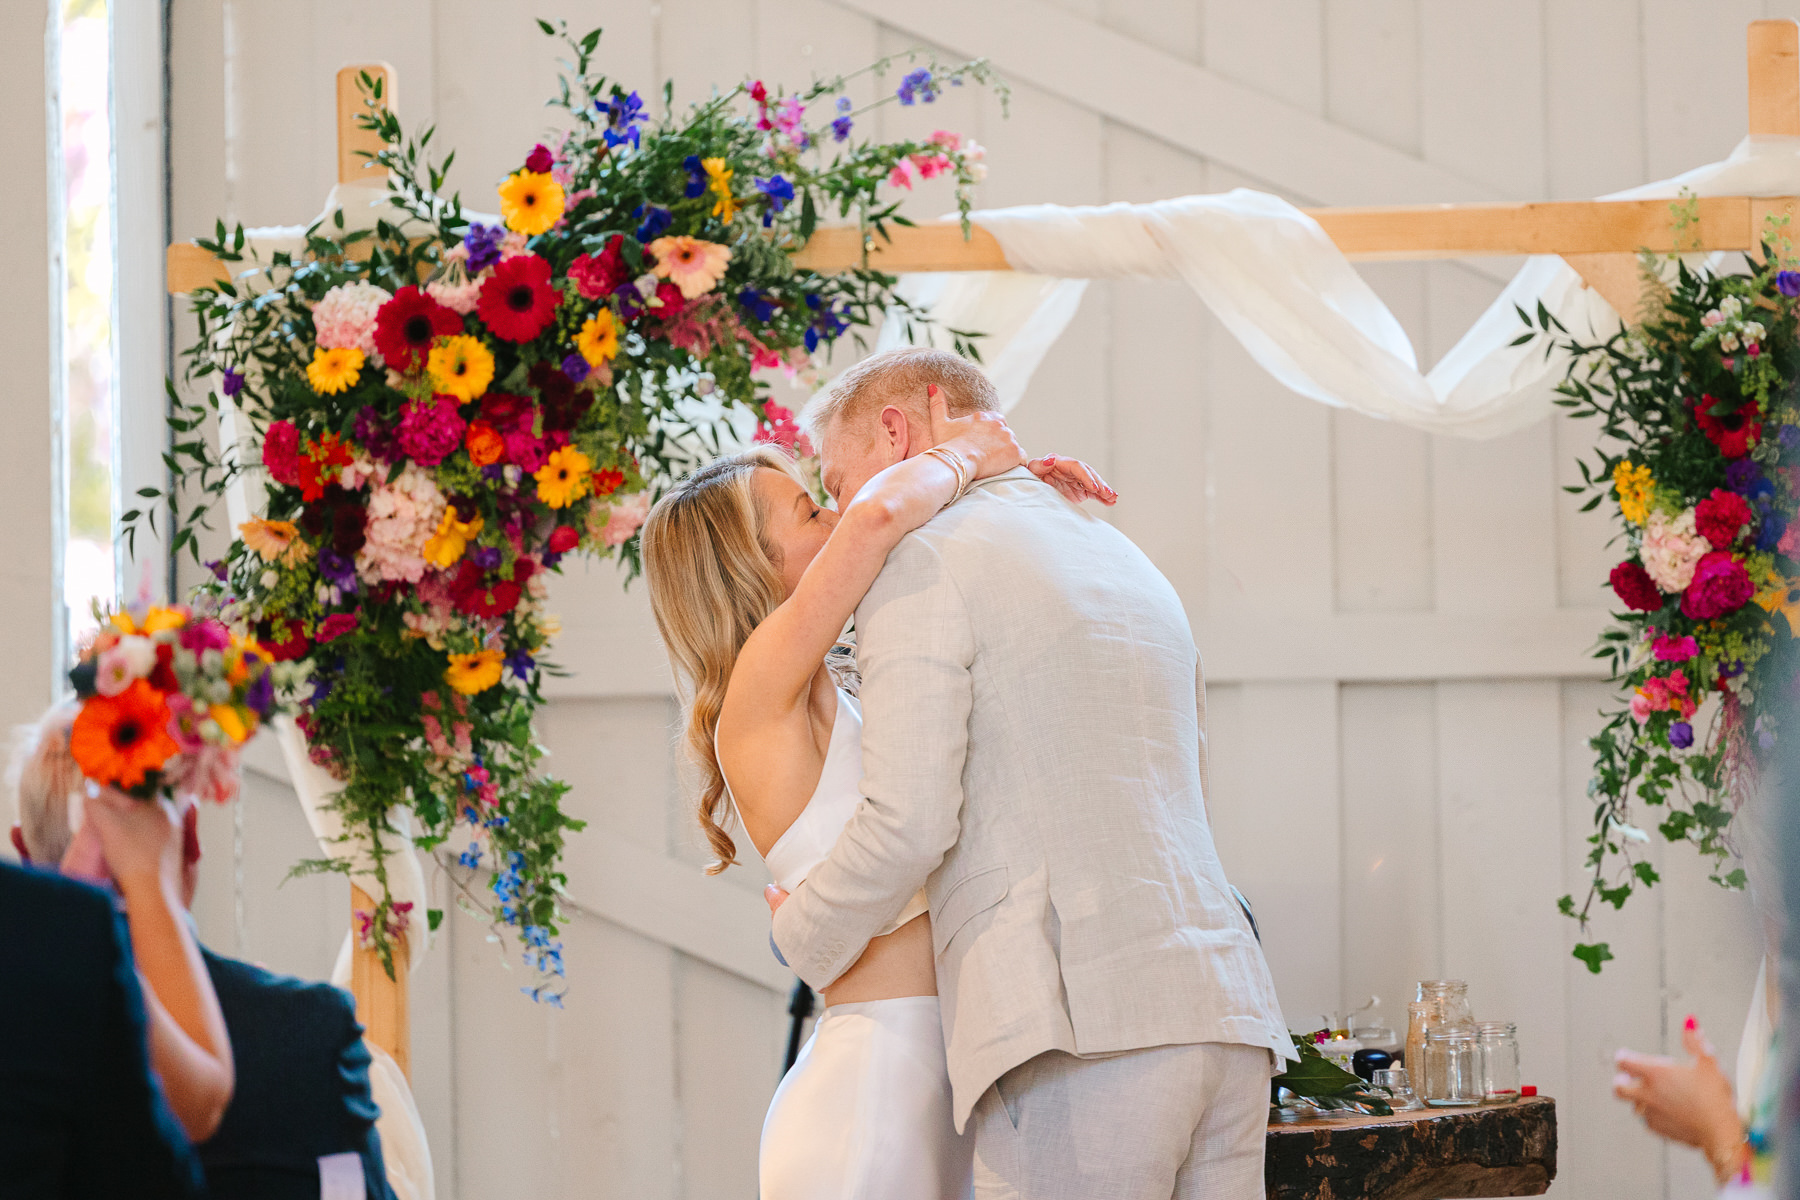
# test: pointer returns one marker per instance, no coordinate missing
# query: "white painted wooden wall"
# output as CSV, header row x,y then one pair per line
x,y
1395,624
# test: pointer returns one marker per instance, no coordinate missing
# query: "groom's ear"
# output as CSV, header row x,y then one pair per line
x,y
896,433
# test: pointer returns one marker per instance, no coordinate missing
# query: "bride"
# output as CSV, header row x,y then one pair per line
x,y
752,582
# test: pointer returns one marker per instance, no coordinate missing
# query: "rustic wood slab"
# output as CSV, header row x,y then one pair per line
x,y
1432,1154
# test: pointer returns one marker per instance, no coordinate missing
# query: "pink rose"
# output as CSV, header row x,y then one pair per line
x,y
1670,648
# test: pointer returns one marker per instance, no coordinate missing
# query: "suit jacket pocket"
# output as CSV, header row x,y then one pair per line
x,y
967,898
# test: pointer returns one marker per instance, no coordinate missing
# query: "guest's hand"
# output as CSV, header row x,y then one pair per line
x,y
1689,1103
1074,479
982,438
140,839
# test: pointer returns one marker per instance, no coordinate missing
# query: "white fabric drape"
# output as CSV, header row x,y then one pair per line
x,y
1285,291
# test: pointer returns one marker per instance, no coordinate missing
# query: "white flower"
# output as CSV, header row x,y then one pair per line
x,y
1728,342
1754,332
1731,306
269,579
1671,550
1715,317
138,654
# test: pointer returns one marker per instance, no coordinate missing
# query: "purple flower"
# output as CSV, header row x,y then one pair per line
x,y
696,184
575,367
233,383
483,244
1790,438
1744,477
758,304
624,118
320,690
217,567
917,86
337,570
780,193
260,696
493,472
377,435
520,663
655,219
840,128
550,559
1788,283
1769,533
1681,735
485,557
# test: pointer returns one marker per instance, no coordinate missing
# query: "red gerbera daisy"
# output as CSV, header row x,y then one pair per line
x,y
517,300
1733,433
406,326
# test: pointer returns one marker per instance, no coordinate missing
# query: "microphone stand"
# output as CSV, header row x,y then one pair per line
x,y
800,1007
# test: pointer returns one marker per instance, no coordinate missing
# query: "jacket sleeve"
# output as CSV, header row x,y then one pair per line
x,y
1200,722
359,1110
130,1142
915,649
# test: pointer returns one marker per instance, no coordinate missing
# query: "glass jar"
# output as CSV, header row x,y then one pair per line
x,y
1449,1001
1445,1010
1452,1068
1499,1044
1418,1016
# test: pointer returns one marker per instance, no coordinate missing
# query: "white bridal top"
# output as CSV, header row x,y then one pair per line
x,y
808,841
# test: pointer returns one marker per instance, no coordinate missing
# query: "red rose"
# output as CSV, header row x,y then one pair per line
x,y
406,326
1634,586
283,640
1720,516
597,278
563,405
563,539
669,302
162,676
506,413
517,300
539,160
1733,433
281,452
336,626
1721,585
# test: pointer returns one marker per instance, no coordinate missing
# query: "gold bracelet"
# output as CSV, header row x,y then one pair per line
x,y
1727,1169
957,466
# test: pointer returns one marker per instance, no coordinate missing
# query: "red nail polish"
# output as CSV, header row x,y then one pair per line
x,y
1690,1024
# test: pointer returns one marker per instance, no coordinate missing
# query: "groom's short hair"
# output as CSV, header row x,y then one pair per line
x,y
899,377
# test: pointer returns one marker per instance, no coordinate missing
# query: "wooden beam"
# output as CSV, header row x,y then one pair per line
x,y
1774,63
354,142
381,1003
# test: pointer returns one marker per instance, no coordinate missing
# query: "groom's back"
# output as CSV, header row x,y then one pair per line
x,y
1083,907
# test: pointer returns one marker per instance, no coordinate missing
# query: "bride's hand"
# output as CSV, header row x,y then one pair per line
x,y
1074,479
982,438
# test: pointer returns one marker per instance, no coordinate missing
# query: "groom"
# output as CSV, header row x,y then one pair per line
x,y
1034,755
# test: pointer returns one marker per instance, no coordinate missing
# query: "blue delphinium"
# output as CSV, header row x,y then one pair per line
x,y
780,193
624,119
655,219
696,184
471,857
758,304
840,128
918,86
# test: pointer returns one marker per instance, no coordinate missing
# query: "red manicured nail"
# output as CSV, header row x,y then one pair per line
x,y
1690,1024
931,390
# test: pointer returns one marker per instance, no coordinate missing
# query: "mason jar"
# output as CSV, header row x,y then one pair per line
x,y
1499,1047
1452,1067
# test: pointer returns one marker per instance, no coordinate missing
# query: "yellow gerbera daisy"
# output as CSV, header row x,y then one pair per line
x,y
530,202
471,673
275,540
460,366
598,340
690,264
334,370
231,721
718,177
1636,489
157,619
563,479
447,545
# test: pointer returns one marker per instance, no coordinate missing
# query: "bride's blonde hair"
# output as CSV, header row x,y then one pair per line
x,y
713,575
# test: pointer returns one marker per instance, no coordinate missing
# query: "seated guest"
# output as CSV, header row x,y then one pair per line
x,y
81,1113
302,1109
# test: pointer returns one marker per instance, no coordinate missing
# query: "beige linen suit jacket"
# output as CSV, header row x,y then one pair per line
x,y
1034,755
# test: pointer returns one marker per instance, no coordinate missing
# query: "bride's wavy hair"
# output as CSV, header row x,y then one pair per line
x,y
714,575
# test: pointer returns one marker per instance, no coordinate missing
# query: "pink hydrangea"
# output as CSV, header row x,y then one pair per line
x,y
1720,585
1671,550
403,514
456,289
623,517
430,430
344,317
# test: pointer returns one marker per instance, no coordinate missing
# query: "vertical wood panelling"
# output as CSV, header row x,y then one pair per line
x,y
1393,886
729,1041
1686,126
1481,99
1593,57
1275,46
1174,26
1275,815
1500,829
1611,1009
1371,54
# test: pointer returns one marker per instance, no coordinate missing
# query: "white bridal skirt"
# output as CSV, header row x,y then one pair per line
x,y
865,1112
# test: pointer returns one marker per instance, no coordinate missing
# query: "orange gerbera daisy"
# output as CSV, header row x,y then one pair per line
x,y
531,202
690,264
118,740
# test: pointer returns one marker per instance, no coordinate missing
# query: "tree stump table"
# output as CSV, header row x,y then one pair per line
x,y
1432,1154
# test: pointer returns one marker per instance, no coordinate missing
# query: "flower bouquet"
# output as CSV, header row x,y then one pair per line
x,y
445,407
167,699
1699,425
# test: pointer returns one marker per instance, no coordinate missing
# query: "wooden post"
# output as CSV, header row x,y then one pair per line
x,y
1774,62
353,142
382,1004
